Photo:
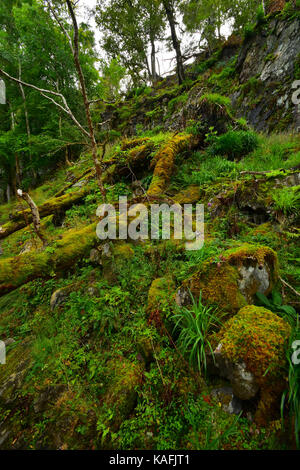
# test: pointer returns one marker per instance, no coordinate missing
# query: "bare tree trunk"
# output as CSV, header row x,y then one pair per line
x,y
75,51
35,215
8,192
176,43
153,61
26,120
16,178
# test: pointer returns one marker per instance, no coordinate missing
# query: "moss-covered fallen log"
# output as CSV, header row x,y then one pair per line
x,y
164,161
54,205
14,272
131,161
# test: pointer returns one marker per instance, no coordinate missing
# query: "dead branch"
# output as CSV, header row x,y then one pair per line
x,y
35,215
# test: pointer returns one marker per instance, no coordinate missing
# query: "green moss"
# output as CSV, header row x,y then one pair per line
x,y
17,271
164,162
160,293
189,195
246,251
219,286
124,251
259,338
129,144
219,280
119,401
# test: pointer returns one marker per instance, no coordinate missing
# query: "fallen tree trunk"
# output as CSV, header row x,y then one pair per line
x,y
22,218
164,161
14,272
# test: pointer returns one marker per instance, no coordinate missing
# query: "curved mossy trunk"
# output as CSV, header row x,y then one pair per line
x,y
164,161
21,269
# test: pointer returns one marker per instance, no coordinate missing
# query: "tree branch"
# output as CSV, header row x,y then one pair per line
x,y
43,92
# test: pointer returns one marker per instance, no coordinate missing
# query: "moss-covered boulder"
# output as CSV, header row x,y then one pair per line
x,y
232,281
250,352
189,195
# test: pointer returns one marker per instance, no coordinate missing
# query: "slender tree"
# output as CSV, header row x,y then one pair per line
x,y
57,98
169,6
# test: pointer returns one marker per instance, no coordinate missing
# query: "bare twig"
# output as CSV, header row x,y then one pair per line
x,y
289,286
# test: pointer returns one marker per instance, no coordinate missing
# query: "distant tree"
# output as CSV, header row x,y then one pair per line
x,y
129,28
59,68
208,16
170,10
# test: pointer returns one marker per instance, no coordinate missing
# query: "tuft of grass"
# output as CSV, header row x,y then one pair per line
x,y
291,396
287,200
274,152
195,325
235,144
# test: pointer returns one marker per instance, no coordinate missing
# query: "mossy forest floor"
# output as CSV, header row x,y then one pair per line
x,y
102,368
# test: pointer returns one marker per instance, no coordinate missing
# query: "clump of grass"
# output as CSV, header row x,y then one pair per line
x,y
274,152
235,144
291,396
215,98
195,326
202,169
287,200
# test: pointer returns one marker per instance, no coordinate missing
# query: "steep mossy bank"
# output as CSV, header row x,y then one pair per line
x,y
105,340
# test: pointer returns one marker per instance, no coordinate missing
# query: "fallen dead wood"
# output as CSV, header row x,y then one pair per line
x,y
14,272
22,218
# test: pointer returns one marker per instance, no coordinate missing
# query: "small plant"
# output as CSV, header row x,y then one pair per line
x,y
235,144
287,200
211,136
292,395
249,32
194,127
195,326
275,305
260,15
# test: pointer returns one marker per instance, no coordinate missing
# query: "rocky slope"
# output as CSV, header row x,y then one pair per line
x,y
94,357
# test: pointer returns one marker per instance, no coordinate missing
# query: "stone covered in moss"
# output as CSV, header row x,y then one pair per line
x,y
250,352
124,251
233,281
